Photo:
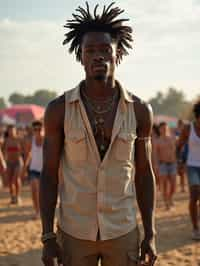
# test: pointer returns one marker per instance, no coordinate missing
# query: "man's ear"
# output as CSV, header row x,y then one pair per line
x,y
118,56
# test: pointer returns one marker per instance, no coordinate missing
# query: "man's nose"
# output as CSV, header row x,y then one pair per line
x,y
98,57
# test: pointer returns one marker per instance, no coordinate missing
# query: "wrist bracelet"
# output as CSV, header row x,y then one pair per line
x,y
47,236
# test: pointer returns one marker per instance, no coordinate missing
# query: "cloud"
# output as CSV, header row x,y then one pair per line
x,y
166,50
32,56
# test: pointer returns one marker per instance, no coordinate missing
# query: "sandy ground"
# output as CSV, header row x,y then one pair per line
x,y
20,234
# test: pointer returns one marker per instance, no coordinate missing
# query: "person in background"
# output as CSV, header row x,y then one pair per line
x,y
179,127
166,152
182,168
181,156
191,135
155,136
20,133
12,149
34,160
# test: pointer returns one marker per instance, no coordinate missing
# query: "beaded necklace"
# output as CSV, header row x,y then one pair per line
x,y
100,111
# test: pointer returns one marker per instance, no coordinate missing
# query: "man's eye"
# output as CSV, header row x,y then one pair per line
x,y
107,50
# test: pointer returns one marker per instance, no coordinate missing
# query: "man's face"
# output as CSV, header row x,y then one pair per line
x,y
98,55
163,130
37,130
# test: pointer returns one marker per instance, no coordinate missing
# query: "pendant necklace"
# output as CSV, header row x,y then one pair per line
x,y
100,111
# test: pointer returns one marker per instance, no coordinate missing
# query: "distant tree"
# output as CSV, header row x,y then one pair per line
x,y
2,103
40,97
16,98
157,103
43,97
172,103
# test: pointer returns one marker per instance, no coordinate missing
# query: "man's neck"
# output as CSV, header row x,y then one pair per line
x,y
100,89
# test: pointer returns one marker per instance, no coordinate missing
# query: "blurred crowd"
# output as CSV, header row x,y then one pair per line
x,y
21,159
21,162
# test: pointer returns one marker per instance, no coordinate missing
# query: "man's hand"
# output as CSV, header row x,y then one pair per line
x,y
148,253
50,252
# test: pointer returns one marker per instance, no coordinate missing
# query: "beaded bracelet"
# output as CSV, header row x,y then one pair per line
x,y
144,138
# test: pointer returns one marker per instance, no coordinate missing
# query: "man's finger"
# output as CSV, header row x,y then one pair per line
x,y
152,260
143,255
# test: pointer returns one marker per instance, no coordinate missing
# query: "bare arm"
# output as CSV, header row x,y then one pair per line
x,y
144,178
2,161
52,149
27,154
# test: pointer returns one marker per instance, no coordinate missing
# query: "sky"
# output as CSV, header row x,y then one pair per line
x,y
166,50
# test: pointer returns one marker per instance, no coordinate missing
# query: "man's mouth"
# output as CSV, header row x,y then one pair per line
x,y
99,67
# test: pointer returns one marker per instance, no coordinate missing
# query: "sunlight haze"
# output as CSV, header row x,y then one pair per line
x,y
165,51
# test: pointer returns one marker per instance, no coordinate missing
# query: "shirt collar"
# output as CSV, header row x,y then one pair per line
x,y
125,95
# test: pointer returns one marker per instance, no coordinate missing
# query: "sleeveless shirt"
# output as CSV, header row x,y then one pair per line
x,y
97,195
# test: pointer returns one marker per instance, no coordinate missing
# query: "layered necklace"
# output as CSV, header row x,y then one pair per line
x,y
100,111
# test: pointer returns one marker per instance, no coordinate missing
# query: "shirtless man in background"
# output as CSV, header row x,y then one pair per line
x,y
181,156
166,152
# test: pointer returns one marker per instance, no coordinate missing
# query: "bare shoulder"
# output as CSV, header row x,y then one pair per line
x,y
144,114
55,111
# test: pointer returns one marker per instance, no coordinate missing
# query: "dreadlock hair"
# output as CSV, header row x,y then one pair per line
x,y
84,22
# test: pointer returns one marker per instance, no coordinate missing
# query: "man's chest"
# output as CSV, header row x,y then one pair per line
x,y
102,127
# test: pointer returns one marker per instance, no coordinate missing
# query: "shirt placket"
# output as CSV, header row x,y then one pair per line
x,y
101,165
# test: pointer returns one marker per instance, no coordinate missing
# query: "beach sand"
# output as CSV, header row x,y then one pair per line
x,y
20,234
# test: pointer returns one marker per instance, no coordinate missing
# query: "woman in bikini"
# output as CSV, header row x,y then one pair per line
x,y
14,161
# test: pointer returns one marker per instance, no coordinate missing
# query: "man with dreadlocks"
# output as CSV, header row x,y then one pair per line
x,y
99,136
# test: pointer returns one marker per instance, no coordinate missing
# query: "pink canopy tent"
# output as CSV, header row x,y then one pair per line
x,y
24,113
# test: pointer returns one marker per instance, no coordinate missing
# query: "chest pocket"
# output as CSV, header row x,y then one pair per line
x,y
124,149
76,147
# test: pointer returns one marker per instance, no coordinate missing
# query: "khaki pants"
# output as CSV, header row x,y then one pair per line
x,y
121,251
